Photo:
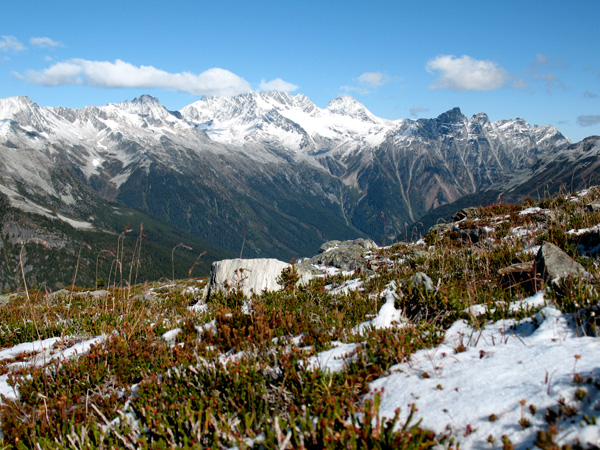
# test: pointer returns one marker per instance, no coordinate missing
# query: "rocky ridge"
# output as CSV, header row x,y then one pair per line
x,y
271,163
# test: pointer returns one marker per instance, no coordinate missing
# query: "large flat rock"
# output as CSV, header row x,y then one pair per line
x,y
248,275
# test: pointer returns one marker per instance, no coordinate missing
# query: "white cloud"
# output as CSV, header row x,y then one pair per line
x,y
121,74
541,59
588,121
551,80
45,42
466,73
368,82
356,89
11,44
417,111
277,85
520,84
546,63
373,79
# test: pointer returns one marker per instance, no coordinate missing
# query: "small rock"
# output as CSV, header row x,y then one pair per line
x,y
422,279
465,213
519,274
593,207
551,263
470,235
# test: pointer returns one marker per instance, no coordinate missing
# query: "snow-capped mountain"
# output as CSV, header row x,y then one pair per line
x,y
290,173
291,121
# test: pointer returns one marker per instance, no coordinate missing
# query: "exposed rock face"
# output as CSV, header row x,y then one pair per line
x,y
248,275
551,263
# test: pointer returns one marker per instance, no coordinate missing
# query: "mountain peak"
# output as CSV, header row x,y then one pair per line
x,y
146,99
14,105
146,105
349,106
480,118
344,103
453,115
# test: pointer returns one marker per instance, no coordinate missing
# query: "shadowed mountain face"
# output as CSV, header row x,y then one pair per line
x,y
572,168
269,172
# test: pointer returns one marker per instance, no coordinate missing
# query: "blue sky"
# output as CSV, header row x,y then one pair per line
x,y
530,59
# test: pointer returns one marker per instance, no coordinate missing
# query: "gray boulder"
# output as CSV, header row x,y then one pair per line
x,y
470,235
345,255
552,264
464,213
422,279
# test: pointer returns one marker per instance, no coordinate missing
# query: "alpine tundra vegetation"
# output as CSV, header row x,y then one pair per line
x,y
474,337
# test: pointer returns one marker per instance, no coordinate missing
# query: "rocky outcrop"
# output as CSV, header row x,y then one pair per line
x,y
346,255
456,233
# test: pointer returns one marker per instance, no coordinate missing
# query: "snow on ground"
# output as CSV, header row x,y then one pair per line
x,y
75,223
475,382
350,285
579,232
478,385
534,301
39,354
333,359
171,336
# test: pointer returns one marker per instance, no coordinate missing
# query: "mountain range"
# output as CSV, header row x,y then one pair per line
x,y
260,174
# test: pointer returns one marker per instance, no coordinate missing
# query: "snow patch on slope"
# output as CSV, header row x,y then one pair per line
x,y
478,374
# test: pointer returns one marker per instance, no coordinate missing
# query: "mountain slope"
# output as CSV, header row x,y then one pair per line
x,y
427,163
568,169
270,172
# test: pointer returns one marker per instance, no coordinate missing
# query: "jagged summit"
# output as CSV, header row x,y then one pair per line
x,y
452,116
291,121
480,118
12,107
275,163
349,106
146,106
